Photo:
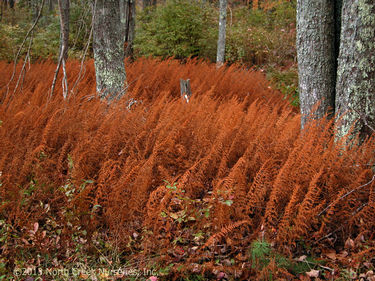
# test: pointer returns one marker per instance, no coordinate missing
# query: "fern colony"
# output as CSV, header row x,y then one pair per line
x,y
237,167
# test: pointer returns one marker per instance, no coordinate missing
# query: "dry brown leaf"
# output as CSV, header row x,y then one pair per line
x,y
349,243
331,255
313,273
301,258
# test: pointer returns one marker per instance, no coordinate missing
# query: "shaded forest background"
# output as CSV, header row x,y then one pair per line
x,y
262,38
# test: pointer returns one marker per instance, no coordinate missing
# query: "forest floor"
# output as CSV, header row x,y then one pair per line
x,y
224,187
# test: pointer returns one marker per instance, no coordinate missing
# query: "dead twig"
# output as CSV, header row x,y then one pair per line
x,y
346,194
23,70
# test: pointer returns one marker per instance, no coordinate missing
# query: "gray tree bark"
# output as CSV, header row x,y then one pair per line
x,y
355,89
220,57
109,50
316,56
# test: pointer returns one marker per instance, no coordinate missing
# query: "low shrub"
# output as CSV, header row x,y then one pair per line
x,y
177,29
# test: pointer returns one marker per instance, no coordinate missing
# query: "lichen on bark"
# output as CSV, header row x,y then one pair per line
x,y
108,45
355,88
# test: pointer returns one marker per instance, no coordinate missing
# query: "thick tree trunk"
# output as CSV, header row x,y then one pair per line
x,y
109,50
131,30
355,88
222,33
64,8
316,57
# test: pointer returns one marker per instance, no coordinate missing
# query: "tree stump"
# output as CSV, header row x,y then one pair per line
x,y
185,89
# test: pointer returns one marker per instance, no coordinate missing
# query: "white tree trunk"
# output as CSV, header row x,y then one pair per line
x,y
220,58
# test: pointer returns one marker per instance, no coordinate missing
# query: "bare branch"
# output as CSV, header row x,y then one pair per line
x,y
23,43
57,72
23,70
346,195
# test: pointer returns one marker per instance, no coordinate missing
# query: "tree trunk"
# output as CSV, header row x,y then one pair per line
x,y
64,27
127,11
1,10
355,88
222,26
148,3
316,57
51,5
109,50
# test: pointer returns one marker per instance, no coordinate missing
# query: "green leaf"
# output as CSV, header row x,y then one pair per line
x,y
228,202
207,213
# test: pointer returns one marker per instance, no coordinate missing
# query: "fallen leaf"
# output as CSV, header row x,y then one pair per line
x,y
196,268
36,226
343,254
221,275
173,216
83,276
301,258
331,255
349,243
313,273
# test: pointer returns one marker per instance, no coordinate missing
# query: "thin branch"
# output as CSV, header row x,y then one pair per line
x,y
346,194
23,43
57,72
23,70
329,234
